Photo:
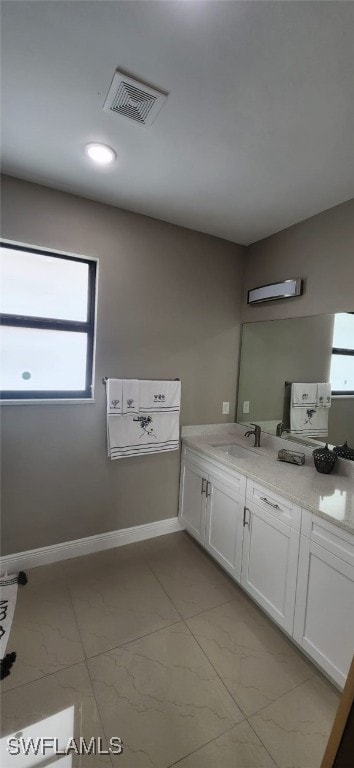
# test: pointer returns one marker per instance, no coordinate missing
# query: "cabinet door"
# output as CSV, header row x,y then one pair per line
x,y
269,564
324,613
224,528
193,500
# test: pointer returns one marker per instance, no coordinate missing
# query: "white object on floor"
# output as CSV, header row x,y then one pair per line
x,y
161,396
114,394
8,596
303,394
324,394
131,397
310,421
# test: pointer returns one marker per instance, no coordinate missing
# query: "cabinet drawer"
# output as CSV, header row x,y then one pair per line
x,y
213,469
328,535
273,503
197,459
232,480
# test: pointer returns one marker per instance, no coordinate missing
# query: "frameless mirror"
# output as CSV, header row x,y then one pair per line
x,y
276,353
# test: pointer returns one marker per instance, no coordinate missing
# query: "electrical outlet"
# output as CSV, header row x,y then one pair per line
x,y
226,408
246,406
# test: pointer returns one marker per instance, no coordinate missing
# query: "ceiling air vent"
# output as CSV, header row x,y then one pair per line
x,y
137,101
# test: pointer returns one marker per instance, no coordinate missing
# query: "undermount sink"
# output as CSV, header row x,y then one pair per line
x,y
236,450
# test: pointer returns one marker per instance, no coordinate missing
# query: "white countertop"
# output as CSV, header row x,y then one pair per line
x,y
329,496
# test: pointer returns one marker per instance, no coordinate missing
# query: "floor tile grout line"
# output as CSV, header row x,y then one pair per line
x,y
171,765
165,591
133,640
217,674
89,675
247,716
186,618
275,701
262,742
43,677
97,705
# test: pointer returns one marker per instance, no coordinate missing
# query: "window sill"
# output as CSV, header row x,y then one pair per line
x,y
47,401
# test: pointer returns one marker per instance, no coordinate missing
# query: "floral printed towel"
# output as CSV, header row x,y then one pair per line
x,y
136,435
310,421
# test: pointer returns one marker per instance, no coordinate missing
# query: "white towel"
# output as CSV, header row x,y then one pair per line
x,y
324,394
130,396
303,394
114,393
130,435
160,396
309,420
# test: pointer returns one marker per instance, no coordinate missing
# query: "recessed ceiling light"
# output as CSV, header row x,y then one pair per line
x,y
100,153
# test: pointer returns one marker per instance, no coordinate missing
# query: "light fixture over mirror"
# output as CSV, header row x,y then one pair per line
x,y
287,289
317,348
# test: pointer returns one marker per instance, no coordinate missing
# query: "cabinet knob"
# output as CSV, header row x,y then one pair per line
x,y
203,485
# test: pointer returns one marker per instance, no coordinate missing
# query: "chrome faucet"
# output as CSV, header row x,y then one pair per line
x,y
257,434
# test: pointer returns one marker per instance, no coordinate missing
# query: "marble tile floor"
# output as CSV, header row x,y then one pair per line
x,y
153,643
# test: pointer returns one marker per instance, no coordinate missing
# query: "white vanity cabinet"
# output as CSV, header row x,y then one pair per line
x,y
212,508
192,509
324,614
224,520
297,566
270,552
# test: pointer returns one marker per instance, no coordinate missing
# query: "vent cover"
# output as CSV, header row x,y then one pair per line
x,y
137,101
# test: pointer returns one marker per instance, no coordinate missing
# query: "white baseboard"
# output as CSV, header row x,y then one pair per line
x,y
52,554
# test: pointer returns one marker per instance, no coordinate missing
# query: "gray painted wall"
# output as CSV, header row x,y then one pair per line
x,y
320,250
169,304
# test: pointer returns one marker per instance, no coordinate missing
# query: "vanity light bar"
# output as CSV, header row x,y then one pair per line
x,y
284,290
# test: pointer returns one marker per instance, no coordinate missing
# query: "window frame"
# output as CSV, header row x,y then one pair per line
x,y
54,324
341,351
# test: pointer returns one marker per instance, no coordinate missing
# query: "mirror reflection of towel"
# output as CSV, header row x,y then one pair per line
x,y
310,421
324,394
303,394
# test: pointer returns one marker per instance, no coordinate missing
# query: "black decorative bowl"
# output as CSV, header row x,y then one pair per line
x,y
344,451
324,459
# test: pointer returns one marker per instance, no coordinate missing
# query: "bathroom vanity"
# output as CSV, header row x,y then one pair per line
x,y
283,532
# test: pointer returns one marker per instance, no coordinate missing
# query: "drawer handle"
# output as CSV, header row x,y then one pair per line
x,y
275,506
203,485
208,488
246,522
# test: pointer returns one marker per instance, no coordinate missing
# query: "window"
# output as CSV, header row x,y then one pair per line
x,y
47,303
342,361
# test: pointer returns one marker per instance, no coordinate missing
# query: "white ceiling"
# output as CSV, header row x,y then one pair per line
x,y
257,131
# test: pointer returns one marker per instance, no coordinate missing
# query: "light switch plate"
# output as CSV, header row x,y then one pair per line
x,y
246,406
226,408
